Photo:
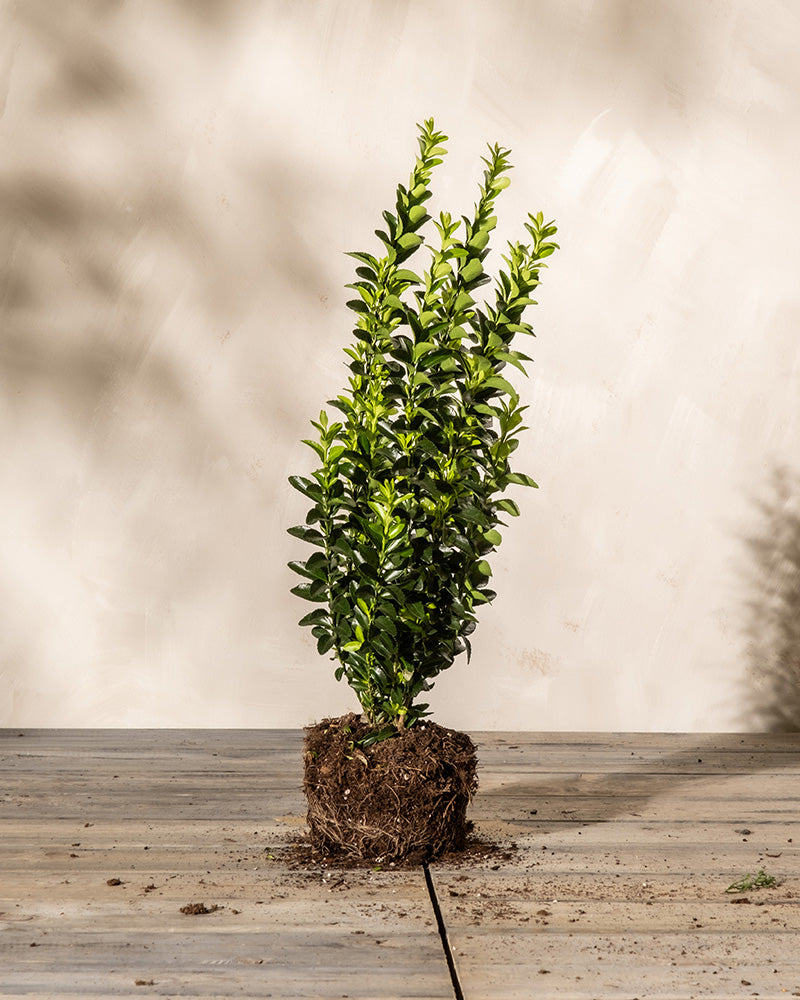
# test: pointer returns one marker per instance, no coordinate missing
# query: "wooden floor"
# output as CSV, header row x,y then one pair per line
x,y
617,851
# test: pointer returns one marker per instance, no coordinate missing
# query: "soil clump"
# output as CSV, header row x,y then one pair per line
x,y
403,799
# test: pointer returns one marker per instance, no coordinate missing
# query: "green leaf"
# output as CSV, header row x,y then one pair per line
x,y
307,487
300,569
472,514
361,613
442,357
407,498
498,382
314,568
316,446
317,565
403,274
409,241
493,537
325,643
317,617
314,591
479,240
520,479
392,302
471,270
386,624
377,736
513,358
307,534
368,274
508,506
365,258
422,348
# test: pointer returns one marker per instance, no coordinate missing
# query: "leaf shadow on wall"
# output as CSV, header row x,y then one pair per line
x,y
773,611
140,254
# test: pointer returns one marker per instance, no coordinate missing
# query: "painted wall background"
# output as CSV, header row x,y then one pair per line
x,y
178,183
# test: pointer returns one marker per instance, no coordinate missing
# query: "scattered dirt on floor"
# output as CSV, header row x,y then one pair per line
x,y
300,854
197,909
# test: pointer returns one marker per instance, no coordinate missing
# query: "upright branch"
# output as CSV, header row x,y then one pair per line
x,y
411,487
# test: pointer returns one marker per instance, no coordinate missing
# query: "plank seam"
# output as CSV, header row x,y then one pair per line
x,y
448,954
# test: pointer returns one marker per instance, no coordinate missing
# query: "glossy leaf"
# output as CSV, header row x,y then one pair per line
x,y
409,490
307,534
521,479
318,617
306,486
310,591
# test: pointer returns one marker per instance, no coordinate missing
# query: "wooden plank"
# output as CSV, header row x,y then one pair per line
x,y
769,784
616,886
590,759
667,965
640,743
178,819
93,776
533,810
294,942
626,840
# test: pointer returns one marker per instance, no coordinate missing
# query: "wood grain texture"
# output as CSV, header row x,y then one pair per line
x,y
623,846
181,818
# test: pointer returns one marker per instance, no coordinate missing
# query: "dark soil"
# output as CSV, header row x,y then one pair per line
x,y
198,909
301,855
403,799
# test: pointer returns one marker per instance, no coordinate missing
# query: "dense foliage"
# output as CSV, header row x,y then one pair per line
x,y
408,497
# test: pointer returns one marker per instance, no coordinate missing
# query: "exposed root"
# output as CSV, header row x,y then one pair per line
x,y
405,796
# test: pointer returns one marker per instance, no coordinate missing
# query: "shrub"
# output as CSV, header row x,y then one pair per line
x,y
410,490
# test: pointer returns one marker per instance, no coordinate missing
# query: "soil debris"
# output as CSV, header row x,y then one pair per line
x,y
299,854
197,909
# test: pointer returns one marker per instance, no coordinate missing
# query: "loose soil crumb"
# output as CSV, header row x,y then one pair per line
x,y
403,799
299,854
196,909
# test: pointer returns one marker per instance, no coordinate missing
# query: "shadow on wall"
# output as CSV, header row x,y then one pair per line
x,y
773,612
108,227
148,243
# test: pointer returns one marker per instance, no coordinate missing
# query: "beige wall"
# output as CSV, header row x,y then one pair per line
x,y
178,182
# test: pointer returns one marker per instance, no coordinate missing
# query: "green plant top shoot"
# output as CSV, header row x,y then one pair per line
x,y
408,497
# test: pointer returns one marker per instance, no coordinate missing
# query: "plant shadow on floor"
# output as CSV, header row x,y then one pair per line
x,y
773,612
771,695
585,792
531,784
